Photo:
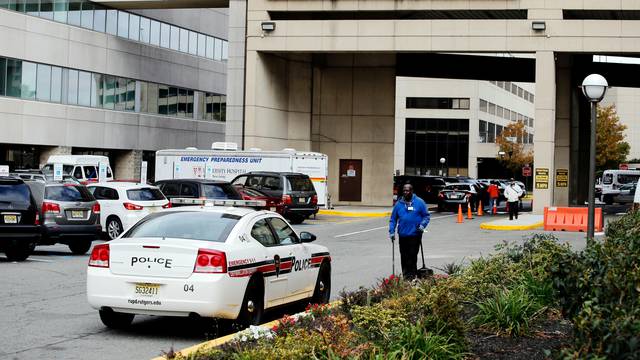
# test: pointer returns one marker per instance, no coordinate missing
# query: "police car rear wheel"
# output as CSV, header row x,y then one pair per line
x,y
322,291
115,320
252,305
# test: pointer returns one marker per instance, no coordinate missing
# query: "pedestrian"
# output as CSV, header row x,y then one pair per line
x,y
411,217
494,194
513,192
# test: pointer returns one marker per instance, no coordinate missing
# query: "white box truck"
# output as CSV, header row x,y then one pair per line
x,y
219,163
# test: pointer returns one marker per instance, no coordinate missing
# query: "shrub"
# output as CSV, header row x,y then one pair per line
x,y
421,341
375,322
508,312
453,268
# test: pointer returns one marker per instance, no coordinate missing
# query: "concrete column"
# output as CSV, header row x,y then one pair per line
x,y
236,71
545,128
127,165
562,126
47,151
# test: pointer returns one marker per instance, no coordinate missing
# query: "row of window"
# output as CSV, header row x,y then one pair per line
x,y
499,111
32,81
437,103
92,16
428,140
515,90
489,131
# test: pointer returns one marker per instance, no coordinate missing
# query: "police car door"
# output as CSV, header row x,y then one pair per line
x,y
300,281
271,263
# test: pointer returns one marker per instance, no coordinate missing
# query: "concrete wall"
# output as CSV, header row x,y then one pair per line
x,y
627,102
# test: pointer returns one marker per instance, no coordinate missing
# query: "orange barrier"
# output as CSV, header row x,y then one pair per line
x,y
460,221
570,219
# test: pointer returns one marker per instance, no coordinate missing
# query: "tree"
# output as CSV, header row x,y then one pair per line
x,y
510,142
611,149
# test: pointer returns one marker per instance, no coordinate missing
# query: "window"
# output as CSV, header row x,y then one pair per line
x,y
144,29
31,7
482,127
145,194
271,183
175,38
163,97
86,20
210,47
193,43
60,9
172,101
514,116
465,104
531,122
182,102
520,92
144,97
3,75
99,19
491,133
223,108
498,130
219,191
14,78
134,27
84,88
108,90
514,89
28,80
202,226
43,86
217,54
165,35
225,50
189,112
112,22
77,172
120,96
492,108
300,183
188,190
202,46
171,189
152,98
499,111
73,16
131,95
532,98
67,193
90,172
123,24
262,233
184,40
286,236
154,33
96,90
483,105
46,9
103,193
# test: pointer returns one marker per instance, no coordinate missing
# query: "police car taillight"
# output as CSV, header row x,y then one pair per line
x,y
210,261
100,256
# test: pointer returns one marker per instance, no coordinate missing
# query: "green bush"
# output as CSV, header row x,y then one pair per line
x,y
508,312
421,341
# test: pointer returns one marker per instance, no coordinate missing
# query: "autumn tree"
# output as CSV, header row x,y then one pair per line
x,y
510,142
611,149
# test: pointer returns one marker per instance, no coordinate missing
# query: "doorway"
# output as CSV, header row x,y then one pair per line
x,y
350,180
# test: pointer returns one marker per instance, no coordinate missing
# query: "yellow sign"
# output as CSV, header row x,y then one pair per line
x,y
562,177
542,178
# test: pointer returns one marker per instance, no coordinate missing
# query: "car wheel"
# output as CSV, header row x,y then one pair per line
x,y
440,207
322,291
253,304
608,200
18,251
80,247
296,219
114,228
115,320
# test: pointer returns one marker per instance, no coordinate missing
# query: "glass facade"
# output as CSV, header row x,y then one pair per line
x,y
488,132
437,103
499,111
93,16
42,82
428,140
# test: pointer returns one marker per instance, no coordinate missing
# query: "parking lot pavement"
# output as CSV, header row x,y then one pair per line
x,y
46,315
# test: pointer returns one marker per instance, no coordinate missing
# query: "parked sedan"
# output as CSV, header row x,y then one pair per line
x,y
457,194
272,203
122,204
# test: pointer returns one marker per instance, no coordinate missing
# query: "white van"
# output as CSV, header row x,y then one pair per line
x,y
614,179
82,167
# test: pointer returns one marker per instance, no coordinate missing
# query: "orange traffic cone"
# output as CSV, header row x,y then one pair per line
x,y
480,212
469,215
460,221
495,209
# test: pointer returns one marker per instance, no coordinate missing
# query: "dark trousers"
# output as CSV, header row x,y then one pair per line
x,y
513,209
409,247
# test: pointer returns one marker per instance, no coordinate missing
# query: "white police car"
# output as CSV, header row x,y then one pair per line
x,y
210,261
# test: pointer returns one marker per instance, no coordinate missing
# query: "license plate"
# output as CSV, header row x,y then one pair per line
x,y
147,289
77,214
272,208
10,219
152,209
302,200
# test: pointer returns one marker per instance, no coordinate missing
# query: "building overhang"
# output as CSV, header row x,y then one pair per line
x,y
164,4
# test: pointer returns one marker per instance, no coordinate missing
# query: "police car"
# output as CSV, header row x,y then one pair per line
x,y
209,261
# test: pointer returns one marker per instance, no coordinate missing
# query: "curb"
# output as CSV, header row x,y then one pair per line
x,y
354,214
489,226
224,339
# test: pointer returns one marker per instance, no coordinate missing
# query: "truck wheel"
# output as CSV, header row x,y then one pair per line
x,y
114,227
322,291
80,247
18,251
252,304
115,320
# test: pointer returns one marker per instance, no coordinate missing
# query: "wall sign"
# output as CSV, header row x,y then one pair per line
x,y
542,178
562,178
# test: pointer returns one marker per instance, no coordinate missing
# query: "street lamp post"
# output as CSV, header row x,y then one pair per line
x,y
594,87
442,161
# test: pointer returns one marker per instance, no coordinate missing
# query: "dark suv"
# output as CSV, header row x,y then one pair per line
x,y
19,219
70,215
296,191
197,189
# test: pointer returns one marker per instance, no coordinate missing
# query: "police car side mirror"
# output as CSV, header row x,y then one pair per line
x,y
306,237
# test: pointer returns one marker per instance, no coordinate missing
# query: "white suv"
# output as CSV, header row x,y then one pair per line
x,y
122,204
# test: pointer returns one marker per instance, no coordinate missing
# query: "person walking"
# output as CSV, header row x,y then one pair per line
x,y
513,192
410,216
494,194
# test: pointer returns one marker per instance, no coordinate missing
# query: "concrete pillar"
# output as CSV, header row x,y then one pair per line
x,y
127,165
545,128
562,126
236,71
47,151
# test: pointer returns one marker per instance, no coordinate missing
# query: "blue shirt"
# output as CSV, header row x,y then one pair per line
x,y
408,221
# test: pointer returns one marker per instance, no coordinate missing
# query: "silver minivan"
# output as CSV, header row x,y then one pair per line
x,y
70,215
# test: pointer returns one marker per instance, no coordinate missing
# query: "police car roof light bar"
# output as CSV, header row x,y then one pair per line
x,y
219,202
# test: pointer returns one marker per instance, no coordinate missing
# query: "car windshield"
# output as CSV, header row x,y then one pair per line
x,y
67,193
300,183
220,191
188,225
607,179
15,193
146,194
48,169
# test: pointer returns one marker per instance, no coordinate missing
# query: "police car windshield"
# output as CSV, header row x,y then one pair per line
x,y
188,225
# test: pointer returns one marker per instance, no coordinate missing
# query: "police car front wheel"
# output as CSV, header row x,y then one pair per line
x,y
322,291
252,304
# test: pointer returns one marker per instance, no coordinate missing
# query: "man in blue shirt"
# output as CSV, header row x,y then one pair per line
x,y
411,217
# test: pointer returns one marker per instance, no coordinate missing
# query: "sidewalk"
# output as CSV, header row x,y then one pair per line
x,y
357,211
524,222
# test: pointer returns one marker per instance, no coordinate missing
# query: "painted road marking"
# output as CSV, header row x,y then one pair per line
x,y
41,260
385,227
